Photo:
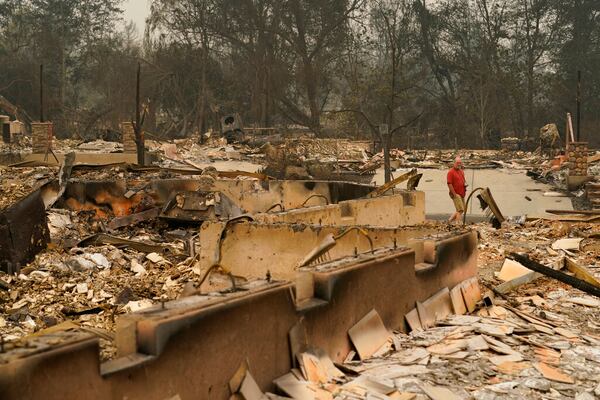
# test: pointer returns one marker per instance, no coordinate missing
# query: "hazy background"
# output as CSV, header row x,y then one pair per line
x,y
136,11
439,73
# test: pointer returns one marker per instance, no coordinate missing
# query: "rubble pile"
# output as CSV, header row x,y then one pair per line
x,y
97,146
325,159
541,340
20,144
89,286
16,183
471,158
531,337
326,149
189,151
494,355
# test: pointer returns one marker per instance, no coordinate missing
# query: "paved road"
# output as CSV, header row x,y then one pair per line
x,y
509,188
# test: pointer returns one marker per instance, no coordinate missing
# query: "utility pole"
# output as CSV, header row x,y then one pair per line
x,y
578,103
139,133
384,133
41,92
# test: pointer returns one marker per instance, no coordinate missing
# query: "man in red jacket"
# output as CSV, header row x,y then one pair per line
x,y
458,189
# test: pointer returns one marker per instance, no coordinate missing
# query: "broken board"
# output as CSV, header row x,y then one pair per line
x,y
368,335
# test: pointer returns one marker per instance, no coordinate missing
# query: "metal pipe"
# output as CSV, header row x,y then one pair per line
x,y
315,195
217,262
359,230
275,205
467,203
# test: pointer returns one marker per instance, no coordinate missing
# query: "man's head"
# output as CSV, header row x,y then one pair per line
x,y
457,163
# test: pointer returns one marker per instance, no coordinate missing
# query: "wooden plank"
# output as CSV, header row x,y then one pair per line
x,y
471,293
569,212
458,303
514,283
560,276
580,272
384,188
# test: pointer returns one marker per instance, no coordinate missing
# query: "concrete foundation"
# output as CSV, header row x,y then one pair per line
x,y
252,250
193,346
83,158
252,196
402,209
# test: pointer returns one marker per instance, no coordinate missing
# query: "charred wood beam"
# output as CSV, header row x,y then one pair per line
x,y
552,273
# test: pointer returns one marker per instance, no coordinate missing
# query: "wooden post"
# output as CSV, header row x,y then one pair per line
x,y
139,133
578,103
384,133
570,124
41,92
566,135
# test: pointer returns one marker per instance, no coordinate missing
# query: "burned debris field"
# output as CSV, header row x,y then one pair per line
x,y
268,200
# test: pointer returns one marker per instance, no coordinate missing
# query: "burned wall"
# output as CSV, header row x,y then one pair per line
x,y
253,196
193,346
402,209
23,232
252,249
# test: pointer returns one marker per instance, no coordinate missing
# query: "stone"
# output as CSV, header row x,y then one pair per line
x,y
412,385
39,274
138,305
99,259
29,323
542,385
49,320
125,296
82,288
585,396
137,268
155,258
80,264
503,387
